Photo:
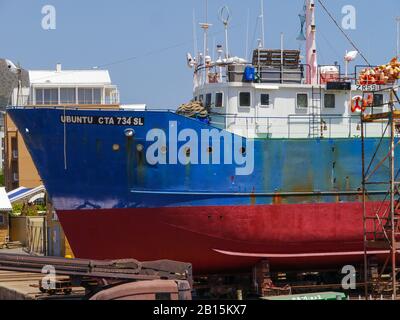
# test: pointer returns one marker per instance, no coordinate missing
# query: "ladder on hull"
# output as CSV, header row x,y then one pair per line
x,y
315,113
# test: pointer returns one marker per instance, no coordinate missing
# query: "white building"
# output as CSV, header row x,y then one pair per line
x,y
68,87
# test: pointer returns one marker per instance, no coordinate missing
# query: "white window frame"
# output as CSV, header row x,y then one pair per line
x,y
92,89
297,101
59,95
208,95
42,98
269,100
251,99
325,107
383,100
36,96
223,97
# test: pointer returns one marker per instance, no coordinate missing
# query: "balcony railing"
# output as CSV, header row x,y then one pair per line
x,y
26,100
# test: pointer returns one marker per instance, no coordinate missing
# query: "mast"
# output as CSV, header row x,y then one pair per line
x,y
262,24
205,26
398,36
311,47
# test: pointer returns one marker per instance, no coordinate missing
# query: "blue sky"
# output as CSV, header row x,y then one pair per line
x,y
150,38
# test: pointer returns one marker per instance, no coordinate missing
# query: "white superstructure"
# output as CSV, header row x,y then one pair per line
x,y
277,95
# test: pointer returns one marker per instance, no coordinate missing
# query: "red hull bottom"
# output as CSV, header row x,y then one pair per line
x,y
222,239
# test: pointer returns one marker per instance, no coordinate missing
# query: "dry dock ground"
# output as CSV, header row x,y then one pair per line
x,y
25,286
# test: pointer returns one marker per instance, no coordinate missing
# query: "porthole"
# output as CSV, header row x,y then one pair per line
x,y
243,150
129,133
209,149
139,147
115,147
187,152
164,149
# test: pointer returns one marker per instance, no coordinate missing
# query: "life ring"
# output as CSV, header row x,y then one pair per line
x,y
358,103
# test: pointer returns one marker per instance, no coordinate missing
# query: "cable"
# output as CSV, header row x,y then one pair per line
x,y
344,33
149,53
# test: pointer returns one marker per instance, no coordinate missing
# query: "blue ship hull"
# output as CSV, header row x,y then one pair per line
x,y
301,203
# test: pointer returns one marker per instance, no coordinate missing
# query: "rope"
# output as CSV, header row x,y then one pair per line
x,y
344,33
193,109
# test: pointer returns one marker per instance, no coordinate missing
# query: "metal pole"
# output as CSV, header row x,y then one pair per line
x,y
392,195
282,60
226,41
398,36
364,210
262,24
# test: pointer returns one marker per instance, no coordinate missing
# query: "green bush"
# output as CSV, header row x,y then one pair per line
x,y
17,208
29,210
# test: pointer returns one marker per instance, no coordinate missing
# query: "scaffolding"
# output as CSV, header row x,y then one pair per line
x,y
381,215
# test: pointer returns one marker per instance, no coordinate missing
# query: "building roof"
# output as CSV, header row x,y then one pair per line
x,y
5,204
17,192
70,77
24,193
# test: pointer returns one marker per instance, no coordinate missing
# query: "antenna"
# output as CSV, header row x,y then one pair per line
x,y
262,24
247,35
224,16
398,36
205,26
195,48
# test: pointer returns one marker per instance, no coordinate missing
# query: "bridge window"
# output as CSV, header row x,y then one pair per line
x,y
208,100
329,101
264,100
244,99
219,100
378,100
302,100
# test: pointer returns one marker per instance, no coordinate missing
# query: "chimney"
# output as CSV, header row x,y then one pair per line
x,y
58,67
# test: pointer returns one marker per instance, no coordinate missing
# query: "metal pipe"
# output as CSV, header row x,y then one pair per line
x,y
262,24
398,36
119,269
392,195
364,197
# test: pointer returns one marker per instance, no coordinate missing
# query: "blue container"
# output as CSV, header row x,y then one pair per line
x,y
249,74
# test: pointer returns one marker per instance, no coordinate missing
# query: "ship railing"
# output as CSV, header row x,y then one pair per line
x,y
295,126
268,74
278,73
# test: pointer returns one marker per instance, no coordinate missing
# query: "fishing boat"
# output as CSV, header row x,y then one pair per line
x,y
263,164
